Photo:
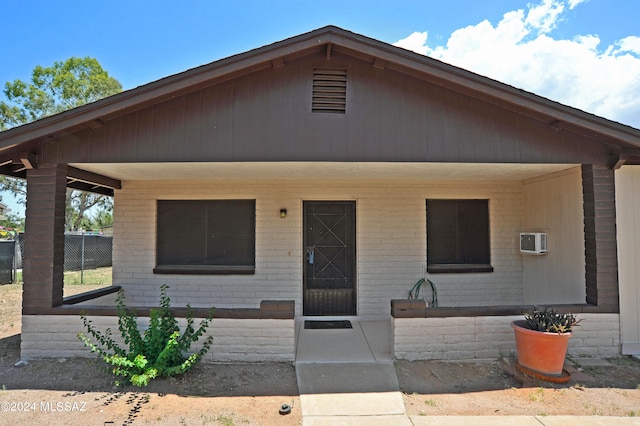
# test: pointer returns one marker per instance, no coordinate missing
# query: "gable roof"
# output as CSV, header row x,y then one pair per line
x,y
327,39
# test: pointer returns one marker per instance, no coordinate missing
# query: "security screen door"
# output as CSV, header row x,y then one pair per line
x,y
329,258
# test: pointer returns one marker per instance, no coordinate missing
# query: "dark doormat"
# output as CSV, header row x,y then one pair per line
x,y
327,324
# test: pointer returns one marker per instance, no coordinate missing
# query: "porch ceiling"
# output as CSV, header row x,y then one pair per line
x,y
320,170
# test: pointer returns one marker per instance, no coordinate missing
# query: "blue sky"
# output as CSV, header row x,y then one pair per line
x,y
584,53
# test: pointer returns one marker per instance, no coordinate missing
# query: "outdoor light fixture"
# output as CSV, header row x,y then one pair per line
x,y
283,213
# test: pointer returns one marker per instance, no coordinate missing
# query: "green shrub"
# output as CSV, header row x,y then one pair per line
x,y
157,352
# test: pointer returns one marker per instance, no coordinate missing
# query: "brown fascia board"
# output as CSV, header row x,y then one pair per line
x,y
352,44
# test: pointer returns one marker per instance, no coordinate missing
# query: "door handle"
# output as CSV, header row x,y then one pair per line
x,y
310,255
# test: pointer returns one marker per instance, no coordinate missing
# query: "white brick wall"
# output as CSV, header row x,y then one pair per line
x,y
249,340
391,242
234,340
472,338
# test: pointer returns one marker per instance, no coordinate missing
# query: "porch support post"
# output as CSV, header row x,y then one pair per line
x,y
44,237
601,259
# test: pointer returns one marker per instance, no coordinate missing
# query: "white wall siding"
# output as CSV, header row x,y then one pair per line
x,y
234,340
479,338
553,204
391,242
628,237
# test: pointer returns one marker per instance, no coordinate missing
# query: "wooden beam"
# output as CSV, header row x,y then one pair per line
x,y
87,187
24,159
29,160
633,152
17,168
78,175
329,48
618,157
95,123
556,125
278,62
630,156
616,161
14,170
379,63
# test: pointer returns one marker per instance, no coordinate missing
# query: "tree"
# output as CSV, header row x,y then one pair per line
x,y
11,222
102,219
79,202
54,89
78,205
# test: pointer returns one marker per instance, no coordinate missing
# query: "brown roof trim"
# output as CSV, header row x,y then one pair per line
x,y
365,48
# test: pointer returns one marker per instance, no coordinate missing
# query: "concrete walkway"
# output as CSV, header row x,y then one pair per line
x,y
351,393
522,421
346,377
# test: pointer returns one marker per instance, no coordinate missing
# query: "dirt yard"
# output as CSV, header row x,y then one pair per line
x,y
81,391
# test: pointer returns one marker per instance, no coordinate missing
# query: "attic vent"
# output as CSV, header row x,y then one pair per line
x,y
329,91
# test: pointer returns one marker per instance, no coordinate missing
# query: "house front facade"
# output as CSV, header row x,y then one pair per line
x,y
321,177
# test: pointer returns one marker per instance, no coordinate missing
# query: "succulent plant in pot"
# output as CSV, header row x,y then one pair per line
x,y
550,321
542,339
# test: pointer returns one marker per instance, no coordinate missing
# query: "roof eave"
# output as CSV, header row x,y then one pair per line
x,y
365,48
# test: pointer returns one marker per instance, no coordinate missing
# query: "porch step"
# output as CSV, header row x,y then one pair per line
x,y
354,392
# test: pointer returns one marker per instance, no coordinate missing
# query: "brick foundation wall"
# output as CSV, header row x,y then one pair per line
x,y
234,340
490,337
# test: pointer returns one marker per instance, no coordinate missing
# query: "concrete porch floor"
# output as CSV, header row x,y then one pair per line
x,y
367,342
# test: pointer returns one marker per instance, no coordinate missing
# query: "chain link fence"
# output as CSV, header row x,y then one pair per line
x,y
87,252
81,252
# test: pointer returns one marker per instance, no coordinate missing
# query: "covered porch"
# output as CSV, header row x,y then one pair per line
x,y
390,236
391,252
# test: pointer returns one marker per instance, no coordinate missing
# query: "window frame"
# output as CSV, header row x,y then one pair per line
x,y
456,263
209,226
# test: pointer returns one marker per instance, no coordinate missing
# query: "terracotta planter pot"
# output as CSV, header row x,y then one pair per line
x,y
539,351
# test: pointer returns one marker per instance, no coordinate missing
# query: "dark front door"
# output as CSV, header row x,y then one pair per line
x,y
329,258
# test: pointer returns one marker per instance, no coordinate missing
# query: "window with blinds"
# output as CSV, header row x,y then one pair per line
x,y
458,236
205,237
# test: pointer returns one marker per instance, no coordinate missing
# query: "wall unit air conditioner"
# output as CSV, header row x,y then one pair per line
x,y
533,243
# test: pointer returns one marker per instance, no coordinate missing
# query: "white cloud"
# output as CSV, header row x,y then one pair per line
x,y
628,44
416,42
574,3
520,51
544,17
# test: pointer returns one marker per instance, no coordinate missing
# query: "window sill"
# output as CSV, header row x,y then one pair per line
x,y
204,270
458,269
